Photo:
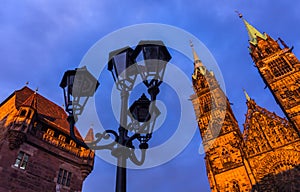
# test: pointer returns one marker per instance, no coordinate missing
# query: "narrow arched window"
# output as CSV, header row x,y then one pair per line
x,y
226,155
235,186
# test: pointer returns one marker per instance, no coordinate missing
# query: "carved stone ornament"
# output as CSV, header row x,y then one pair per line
x,y
15,139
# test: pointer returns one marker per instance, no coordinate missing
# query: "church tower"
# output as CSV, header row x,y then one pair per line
x,y
280,70
266,156
227,170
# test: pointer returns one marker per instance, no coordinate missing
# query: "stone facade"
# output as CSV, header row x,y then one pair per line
x,y
266,155
36,152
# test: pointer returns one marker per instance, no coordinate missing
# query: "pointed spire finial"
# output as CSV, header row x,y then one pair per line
x,y
191,43
197,61
90,135
283,43
239,14
253,33
246,95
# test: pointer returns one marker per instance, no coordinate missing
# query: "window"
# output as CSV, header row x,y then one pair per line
x,y
62,138
235,186
207,102
50,132
225,156
29,113
64,177
72,143
268,50
206,107
23,113
22,160
280,67
203,84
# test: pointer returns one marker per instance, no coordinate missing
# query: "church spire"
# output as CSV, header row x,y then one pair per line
x,y
197,61
252,31
90,135
246,95
250,102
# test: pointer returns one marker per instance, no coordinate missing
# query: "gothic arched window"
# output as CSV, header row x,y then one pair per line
x,y
235,186
226,156
279,67
268,50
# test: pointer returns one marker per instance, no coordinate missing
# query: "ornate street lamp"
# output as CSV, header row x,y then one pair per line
x,y
152,67
140,109
121,64
142,121
78,85
142,113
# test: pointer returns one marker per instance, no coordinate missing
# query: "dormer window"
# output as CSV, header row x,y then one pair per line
x,y
29,113
62,138
23,113
50,132
72,143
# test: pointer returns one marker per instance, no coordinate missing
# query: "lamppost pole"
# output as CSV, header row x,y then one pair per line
x,y
78,85
121,175
121,159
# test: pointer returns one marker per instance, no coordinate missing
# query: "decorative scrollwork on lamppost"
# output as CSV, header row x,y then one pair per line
x,y
79,85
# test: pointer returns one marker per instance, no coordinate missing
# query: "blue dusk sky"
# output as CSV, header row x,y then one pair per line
x,y
42,39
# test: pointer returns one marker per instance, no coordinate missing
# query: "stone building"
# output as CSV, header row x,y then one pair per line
x,y
266,155
36,151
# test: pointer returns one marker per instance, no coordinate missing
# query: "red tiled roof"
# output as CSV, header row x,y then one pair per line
x,y
47,111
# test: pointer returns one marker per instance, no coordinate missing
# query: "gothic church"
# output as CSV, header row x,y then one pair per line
x,y
266,155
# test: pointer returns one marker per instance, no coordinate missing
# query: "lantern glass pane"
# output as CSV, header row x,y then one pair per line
x,y
120,63
125,68
84,85
151,52
143,114
70,80
141,66
151,58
